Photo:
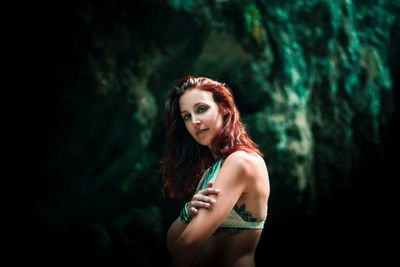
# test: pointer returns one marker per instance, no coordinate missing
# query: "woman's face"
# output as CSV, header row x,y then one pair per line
x,y
201,115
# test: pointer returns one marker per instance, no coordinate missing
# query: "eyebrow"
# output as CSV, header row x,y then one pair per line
x,y
195,105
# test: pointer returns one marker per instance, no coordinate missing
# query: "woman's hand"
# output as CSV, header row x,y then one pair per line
x,y
202,199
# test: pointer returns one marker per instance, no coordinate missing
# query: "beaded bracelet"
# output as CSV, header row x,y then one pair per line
x,y
184,215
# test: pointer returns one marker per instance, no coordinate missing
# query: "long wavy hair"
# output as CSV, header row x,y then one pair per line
x,y
185,160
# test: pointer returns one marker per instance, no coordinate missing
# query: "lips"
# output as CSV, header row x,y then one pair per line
x,y
200,131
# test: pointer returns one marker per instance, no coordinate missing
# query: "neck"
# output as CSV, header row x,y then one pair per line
x,y
213,153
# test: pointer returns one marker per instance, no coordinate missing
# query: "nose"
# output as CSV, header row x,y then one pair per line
x,y
196,121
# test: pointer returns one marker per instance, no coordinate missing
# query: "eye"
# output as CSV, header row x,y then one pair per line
x,y
186,117
202,109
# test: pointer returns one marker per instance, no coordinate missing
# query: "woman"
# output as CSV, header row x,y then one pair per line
x,y
208,146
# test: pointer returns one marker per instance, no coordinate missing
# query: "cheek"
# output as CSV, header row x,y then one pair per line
x,y
221,121
189,128
217,118
186,126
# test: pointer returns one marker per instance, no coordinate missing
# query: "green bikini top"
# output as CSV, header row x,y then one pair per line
x,y
238,217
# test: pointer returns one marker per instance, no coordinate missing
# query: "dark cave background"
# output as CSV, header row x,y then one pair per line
x,y
316,82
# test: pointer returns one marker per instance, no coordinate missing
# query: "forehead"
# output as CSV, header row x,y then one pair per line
x,y
192,97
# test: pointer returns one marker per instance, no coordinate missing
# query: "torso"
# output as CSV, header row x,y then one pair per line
x,y
236,247
239,253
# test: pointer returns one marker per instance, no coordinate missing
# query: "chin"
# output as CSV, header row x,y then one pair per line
x,y
203,143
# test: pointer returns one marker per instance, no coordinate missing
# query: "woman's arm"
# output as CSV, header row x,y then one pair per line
x,y
173,233
202,199
231,180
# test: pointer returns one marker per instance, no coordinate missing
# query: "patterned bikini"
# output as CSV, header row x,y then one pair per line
x,y
238,219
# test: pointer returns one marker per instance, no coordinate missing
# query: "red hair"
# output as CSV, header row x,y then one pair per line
x,y
185,160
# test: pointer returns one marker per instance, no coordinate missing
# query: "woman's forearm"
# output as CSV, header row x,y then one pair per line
x,y
174,231
182,254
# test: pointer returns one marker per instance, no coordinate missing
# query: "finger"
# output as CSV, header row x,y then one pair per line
x,y
210,191
207,199
193,211
202,198
202,204
210,184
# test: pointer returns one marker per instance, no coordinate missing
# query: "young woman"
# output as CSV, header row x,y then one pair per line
x,y
211,157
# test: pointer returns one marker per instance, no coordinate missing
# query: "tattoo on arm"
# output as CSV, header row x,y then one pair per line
x,y
246,216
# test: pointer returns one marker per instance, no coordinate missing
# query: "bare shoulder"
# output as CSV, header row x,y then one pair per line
x,y
246,163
